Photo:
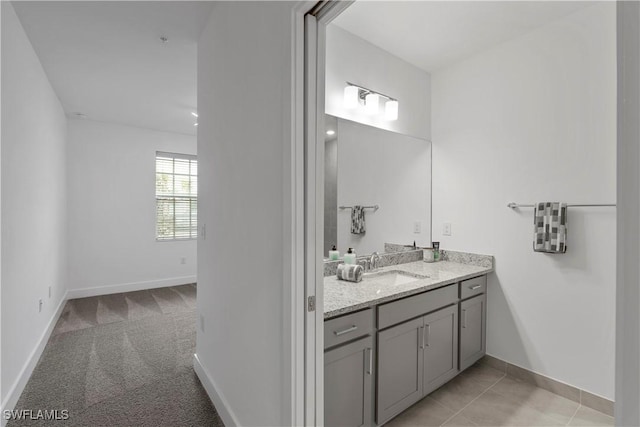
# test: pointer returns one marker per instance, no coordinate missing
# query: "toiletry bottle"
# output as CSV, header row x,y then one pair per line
x,y
436,251
334,254
350,257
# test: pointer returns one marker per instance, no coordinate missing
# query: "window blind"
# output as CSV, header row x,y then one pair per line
x,y
176,196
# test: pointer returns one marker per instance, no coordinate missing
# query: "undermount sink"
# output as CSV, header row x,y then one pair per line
x,y
392,278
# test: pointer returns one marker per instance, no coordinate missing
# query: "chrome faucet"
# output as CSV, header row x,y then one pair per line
x,y
374,260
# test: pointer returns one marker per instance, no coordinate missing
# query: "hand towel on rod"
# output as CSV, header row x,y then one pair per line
x,y
550,227
357,220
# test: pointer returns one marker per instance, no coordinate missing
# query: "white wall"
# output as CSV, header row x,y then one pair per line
x,y
534,119
627,407
112,223
33,184
244,140
352,59
378,167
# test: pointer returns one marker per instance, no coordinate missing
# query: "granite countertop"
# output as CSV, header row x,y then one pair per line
x,y
341,297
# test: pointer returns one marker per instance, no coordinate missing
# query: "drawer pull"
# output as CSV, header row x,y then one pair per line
x,y
370,355
345,331
473,288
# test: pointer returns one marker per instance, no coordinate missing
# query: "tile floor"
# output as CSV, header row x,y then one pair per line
x,y
484,396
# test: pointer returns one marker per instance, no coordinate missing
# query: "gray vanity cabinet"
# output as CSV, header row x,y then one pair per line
x,y
440,348
473,327
348,384
415,358
400,364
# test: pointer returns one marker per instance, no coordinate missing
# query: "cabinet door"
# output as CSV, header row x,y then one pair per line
x,y
348,385
440,347
399,368
473,327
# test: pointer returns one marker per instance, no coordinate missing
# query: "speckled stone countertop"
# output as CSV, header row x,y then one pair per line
x,y
341,297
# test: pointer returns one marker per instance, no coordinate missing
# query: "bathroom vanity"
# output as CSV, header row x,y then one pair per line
x,y
398,335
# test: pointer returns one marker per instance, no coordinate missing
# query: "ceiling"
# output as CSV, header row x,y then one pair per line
x,y
434,34
105,59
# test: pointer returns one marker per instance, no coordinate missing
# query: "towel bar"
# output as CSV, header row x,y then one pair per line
x,y
513,205
374,207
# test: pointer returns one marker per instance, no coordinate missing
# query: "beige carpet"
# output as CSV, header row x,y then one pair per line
x,y
122,360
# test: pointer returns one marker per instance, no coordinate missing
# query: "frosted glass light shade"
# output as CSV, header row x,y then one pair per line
x,y
391,110
350,97
372,103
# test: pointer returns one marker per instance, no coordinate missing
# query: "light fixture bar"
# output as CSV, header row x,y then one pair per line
x,y
368,91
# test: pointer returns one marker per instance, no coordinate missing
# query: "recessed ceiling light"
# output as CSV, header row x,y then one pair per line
x,y
331,132
194,114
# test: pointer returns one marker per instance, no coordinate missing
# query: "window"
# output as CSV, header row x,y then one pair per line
x,y
176,196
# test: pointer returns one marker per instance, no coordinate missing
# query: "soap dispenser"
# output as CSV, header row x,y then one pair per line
x,y
350,257
334,254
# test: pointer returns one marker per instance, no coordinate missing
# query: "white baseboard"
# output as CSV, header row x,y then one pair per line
x,y
220,403
18,386
128,287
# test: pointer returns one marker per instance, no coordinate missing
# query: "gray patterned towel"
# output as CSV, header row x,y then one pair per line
x,y
357,220
350,272
550,227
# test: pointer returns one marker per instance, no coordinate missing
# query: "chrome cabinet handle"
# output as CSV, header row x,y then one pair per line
x,y
428,335
464,318
370,356
473,288
345,331
421,336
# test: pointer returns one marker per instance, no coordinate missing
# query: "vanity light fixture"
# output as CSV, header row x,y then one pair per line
x,y
372,103
360,97
391,110
351,97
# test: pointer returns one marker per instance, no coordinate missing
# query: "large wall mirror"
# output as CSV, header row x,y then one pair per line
x,y
367,166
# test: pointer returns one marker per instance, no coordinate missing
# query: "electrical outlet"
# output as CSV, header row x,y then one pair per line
x,y
49,291
203,231
202,322
40,306
446,229
183,260
417,227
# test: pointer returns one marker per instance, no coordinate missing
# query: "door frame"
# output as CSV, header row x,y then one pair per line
x,y
310,21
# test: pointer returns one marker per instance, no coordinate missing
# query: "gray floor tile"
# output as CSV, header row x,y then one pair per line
x,y
491,361
551,404
458,393
493,409
590,417
483,374
425,413
459,421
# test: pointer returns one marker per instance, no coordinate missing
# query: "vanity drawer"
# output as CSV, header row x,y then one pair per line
x,y
471,287
398,311
348,327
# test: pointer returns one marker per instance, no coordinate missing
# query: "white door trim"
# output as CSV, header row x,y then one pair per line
x,y
314,36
